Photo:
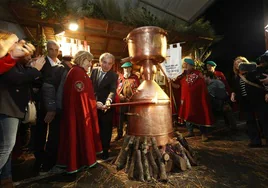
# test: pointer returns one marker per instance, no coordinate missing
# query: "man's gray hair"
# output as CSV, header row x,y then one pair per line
x,y
106,55
50,42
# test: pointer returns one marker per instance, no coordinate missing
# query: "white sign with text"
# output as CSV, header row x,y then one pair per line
x,y
173,64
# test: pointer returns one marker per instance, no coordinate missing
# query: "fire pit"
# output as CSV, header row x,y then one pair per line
x,y
151,148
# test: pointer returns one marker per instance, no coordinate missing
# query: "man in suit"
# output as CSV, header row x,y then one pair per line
x,y
104,82
49,109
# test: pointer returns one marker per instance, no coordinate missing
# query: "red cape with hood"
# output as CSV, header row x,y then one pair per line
x,y
79,129
194,107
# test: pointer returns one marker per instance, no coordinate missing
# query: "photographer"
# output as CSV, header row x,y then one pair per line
x,y
264,62
251,96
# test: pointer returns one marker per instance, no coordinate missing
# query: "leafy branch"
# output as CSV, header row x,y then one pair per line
x,y
55,9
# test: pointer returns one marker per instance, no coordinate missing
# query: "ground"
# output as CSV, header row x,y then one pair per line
x,y
224,161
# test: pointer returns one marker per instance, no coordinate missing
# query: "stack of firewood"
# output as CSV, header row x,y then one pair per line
x,y
143,160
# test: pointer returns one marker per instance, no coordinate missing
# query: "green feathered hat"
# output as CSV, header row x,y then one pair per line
x,y
212,63
126,64
189,61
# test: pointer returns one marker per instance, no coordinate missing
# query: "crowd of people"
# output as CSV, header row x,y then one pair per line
x,y
74,118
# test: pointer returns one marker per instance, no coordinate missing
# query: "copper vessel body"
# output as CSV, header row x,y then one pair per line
x,y
152,120
147,42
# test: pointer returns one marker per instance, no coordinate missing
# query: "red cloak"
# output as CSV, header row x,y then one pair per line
x,y
194,106
79,129
6,63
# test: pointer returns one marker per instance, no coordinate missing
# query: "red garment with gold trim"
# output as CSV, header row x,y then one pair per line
x,y
133,82
194,106
79,129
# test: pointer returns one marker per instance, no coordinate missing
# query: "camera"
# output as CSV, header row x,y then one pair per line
x,y
253,71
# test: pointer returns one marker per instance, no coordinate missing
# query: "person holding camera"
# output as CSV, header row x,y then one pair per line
x,y
251,96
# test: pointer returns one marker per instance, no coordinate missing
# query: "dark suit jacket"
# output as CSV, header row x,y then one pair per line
x,y
107,87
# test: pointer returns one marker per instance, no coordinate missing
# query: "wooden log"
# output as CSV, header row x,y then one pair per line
x,y
133,160
145,162
182,140
140,174
179,147
150,168
162,174
129,157
153,164
132,164
130,149
122,157
130,143
165,157
190,157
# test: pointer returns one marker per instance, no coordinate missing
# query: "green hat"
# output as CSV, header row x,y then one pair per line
x,y
126,64
189,61
212,63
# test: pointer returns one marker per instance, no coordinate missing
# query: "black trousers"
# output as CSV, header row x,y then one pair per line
x,y
46,152
106,127
253,112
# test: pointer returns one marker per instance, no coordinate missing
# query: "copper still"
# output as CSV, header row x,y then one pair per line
x,y
147,46
147,43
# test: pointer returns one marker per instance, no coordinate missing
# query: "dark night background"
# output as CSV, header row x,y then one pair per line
x,y
241,23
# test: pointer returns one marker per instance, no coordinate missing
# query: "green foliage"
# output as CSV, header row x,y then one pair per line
x,y
200,55
111,9
140,17
91,10
133,15
55,9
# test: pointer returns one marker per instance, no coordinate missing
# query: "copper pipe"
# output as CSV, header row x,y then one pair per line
x,y
169,83
132,103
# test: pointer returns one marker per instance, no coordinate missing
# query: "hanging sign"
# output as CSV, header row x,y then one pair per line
x,y
172,66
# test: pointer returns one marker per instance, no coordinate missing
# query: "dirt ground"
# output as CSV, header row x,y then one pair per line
x,y
224,161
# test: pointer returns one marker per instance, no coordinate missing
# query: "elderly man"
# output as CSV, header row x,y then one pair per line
x,y
49,109
127,85
104,81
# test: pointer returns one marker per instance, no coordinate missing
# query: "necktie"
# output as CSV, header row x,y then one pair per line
x,y
101,77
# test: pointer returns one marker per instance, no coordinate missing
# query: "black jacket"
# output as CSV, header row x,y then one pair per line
x,y
15,90
53,78
254,95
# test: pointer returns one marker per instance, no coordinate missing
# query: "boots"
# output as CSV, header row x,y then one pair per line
x,y
6,183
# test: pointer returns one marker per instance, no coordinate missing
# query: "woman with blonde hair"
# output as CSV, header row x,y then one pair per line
x,y
252,98
79,129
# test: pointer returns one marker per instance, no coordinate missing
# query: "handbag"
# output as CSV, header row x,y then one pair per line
x,y
30,115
